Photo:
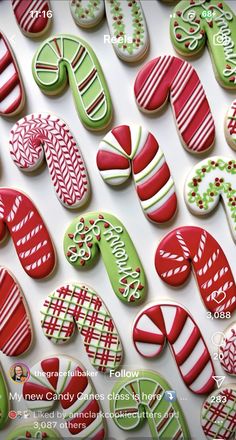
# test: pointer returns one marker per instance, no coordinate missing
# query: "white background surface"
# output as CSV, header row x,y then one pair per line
x,y
122,202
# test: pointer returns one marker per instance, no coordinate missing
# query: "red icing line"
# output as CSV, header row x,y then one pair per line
x,y
123,136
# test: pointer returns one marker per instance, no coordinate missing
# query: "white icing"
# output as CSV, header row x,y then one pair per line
x,y
10,98
7,74
3,48
203,378
147,325
184,335
193,358
148,350
169,314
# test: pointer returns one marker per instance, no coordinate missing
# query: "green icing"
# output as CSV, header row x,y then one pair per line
x,y
88,13
142,398
66,58
4,401
102,231
25,432
195,22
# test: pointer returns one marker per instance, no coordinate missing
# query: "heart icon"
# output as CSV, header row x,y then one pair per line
x,y
218,296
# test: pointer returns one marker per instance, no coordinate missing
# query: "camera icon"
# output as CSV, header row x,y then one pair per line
x,y
221,39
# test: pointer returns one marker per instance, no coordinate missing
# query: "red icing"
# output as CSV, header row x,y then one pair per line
x,y
122,134
154,184
51,366
75,426
75,387
147,153
105,161
166,211
27,235
22,11
43,392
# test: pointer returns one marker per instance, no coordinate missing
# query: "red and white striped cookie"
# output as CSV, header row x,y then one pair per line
x,y
15,330
12,95
41,134
33,16
32,241
169,322
132,149
227,350
169,76
65,379
230,125
190,245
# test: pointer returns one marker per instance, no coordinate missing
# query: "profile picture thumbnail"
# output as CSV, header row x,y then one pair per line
x,y
19,372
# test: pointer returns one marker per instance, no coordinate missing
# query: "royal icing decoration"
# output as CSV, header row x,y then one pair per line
x,y
37,135
33,16
29,431
15,333
218,415
102,231
12,95
230,125
170,76
64,379
209,181
188,246
87,13
197,22
143,398
30,236
167,322
128,29
132,149
4,401
78,305
67,58
227,350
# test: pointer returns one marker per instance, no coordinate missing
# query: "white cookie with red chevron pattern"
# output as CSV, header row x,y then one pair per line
x,y
227,350
41,134
230,125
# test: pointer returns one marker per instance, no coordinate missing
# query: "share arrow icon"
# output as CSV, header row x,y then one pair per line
x,y
219,380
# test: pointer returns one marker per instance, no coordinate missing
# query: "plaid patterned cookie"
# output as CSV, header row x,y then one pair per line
x,y
218,416
78,305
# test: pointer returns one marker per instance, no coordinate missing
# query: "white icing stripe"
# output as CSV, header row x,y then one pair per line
x,y
113,176
181,81
19,225
153,80
160,196
17,337
14,209
193,358
160,202
169,315
150,174
153,164
10,99
191,112
12,302
38,262
203,378
189,105
155,83
32,251
30,235
148,350
184,336
7,74
3,48
205,131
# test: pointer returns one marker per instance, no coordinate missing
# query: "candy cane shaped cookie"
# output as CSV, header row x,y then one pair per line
x,y
170,76
87,13
125,145
67,58
33,16
29,431
218,414
39,134
230,125
32,241
12,95
65,379
15,330
102,231
197,22
170,322
78,305
209,181
4,400
143,397
190,245
227,350
128,29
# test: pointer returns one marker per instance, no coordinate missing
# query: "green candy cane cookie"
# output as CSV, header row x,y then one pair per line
x,y
141,398
67,58
102,231
29,431
4,401
197,22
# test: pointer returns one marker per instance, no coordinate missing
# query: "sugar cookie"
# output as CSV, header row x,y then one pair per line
x,y
12,94
102,231
16,332
78,305
209,181
230,125
32,241
29,431
218,415
169,76
87,13
197,22
65,379
188,246
143,397
132,149
41,134
4,400
227,350
33,16
169,322
128,29
67,58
